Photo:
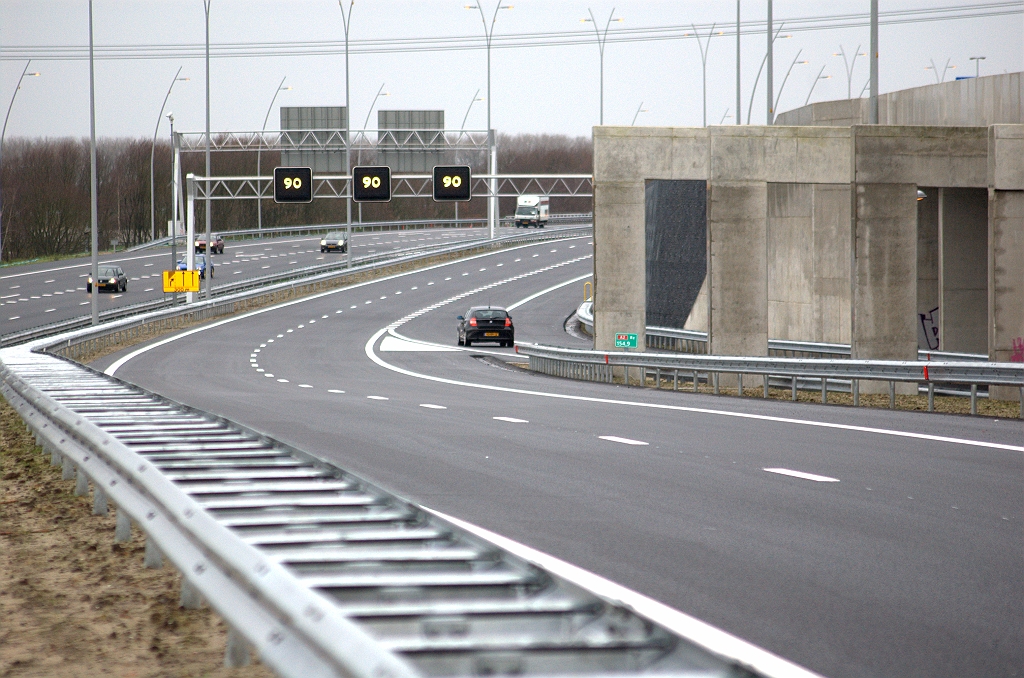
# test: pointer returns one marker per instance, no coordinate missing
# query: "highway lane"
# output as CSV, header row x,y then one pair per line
x,y
909,565
47,292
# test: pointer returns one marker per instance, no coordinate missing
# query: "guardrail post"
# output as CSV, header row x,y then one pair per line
x,y
739,384
793,387
54,457
236,654
153,558
67,469
99,502
657,377
766,386
824,391
974,398
856,392
696,381
892,395
81,483
931,397
123,530
191,599
717,390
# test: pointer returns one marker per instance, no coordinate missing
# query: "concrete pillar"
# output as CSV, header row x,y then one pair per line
x,y
928,270
737,269
831,242
1006,249
963,269
790,262
884,281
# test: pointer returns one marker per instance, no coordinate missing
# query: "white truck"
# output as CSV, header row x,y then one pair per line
x,y
531,210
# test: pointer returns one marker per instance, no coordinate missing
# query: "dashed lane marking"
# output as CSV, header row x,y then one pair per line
x,y
624,441
801,474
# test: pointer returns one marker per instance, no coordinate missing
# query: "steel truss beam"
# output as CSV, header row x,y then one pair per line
x,y
402,186
334,140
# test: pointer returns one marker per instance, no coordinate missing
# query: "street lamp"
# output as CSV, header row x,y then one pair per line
x,y
492,207
849,65
152,152
815,84
24,74
94,219
934,68
475,99
601,38
346,20
704,64
795,62
750,108
724,116
977,65
380,93
639,109
259,151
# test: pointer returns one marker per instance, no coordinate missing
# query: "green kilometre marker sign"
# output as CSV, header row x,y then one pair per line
x,y
625,340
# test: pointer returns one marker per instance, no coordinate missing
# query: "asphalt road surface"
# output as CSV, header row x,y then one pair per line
x,y
880,543
43,293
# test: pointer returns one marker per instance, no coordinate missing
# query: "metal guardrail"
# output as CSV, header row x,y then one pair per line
x,y
325,574
601,366
693,341
360,227
229,296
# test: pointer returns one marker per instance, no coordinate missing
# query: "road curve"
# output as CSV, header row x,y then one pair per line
x,y
853,542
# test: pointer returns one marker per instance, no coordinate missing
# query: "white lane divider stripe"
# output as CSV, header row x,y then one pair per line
x,y
430,406
376,398
624,441
702,633
511,420
801,474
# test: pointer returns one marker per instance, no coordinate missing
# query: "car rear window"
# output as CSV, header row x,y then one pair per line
x,y
108,271
490,314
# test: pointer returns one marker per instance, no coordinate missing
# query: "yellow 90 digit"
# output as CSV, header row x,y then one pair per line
x,y
290,182
371,182
452,182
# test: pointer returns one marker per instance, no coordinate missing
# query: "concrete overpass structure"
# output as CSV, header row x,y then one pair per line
x,y
815,232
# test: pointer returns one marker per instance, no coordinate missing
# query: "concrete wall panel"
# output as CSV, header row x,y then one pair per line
x,y
926,156
963,269
1006,282
831,245
1006,157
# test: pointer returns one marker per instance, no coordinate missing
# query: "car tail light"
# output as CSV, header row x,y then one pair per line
x,y
472,322
508,322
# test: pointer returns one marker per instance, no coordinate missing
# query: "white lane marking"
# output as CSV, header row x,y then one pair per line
x,y
283,381
14,317
429,406
376,398
368,348
545,291
49,310
117,364
334,390
801,474
624,441
266,374
511,420
305,386
714,639
402,344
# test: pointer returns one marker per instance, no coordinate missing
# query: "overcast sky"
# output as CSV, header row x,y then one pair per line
x,y
538,89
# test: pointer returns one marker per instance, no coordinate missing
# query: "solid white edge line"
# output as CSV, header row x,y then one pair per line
x,y
701,633
681,408
801,474
117,364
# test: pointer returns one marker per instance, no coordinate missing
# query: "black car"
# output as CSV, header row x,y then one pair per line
x,y
110,278
486,323
334,242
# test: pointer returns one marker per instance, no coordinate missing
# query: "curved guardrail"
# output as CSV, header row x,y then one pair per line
x,y
325,574
609,366
229,295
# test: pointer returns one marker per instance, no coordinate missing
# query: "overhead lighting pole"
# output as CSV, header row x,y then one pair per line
x,y
24,73
346,20
935,68
476,98
770,113
601,38
785,79
209,203
815,84
704,49
639,109
152,153
750,107
849,65
977,65
93,208
380,93
873,103
492,155
259,150
738,102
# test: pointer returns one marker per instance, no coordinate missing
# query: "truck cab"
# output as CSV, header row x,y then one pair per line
x,y
531,210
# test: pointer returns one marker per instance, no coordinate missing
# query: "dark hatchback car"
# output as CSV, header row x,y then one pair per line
x,y
486,323
334,242
110,278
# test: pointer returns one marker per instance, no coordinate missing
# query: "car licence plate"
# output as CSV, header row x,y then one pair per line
x,y
490,334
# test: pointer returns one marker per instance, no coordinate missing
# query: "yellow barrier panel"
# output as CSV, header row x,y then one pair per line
x,y
181,281
588,291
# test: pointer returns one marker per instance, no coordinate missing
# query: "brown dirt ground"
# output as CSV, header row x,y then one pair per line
x,y
73,603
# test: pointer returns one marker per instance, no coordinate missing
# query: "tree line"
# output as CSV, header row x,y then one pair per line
x,y
46,191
